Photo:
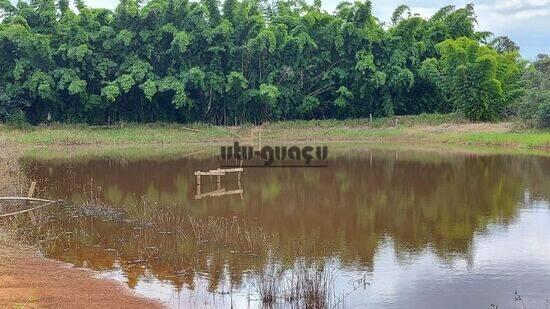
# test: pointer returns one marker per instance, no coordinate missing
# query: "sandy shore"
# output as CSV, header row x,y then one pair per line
x,y
31,281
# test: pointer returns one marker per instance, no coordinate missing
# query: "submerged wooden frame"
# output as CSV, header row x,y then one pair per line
x,y
220,191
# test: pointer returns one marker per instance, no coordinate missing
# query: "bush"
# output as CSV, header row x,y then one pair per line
x,y
534,108
544,115
17,119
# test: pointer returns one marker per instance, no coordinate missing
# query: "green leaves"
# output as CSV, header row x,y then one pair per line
x,y
269,94
344,97
125,82
149,88
79,53
247,61
68,80
77,87
534,106
309,104
181,41
6,8
365,62
469,78
41,84
264,42
110,92
124,37
236,81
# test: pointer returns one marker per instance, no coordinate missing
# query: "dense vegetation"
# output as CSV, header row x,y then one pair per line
x,y
248,61
535,105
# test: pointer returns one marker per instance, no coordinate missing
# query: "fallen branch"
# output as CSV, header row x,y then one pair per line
x,y
18,198
192,130
27,210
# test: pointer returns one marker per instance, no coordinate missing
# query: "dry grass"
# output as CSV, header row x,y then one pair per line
x,y
11,180
11,184
311,287
305,285
269,284
10,246
231,234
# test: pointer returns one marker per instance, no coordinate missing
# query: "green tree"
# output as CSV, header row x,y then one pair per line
x,y
476,79
246,61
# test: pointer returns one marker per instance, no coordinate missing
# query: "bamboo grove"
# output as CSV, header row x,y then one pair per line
x,y
247,61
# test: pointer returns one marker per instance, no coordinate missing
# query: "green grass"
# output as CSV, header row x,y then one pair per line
x,y
531,139
124,134
433,128
60,155
386,122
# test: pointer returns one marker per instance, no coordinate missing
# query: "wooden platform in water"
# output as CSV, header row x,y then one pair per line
x,y
219,172
220,191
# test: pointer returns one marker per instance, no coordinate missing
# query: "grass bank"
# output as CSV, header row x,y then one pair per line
x,y
444,129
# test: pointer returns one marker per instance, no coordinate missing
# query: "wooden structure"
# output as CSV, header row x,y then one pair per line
x,y
219,191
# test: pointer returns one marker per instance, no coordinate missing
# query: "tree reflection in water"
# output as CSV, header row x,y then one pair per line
x,y
417,200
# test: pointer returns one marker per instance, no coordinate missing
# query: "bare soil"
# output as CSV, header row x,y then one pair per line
x,y
31,281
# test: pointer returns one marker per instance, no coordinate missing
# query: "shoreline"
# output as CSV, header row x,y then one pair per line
x,y
445,131
28,279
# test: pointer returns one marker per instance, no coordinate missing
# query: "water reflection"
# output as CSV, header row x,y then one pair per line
x,y
419,223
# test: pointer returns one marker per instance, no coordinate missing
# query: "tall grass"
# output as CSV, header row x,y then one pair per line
x,y
12,181
304,285
269,283
311,287
230,233
69,135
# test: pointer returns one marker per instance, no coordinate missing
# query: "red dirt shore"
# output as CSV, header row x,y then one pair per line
x,y
31,281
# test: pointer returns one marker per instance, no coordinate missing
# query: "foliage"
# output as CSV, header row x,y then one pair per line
x,y
476,79
245,61
544,115
535,105
16,119
504,44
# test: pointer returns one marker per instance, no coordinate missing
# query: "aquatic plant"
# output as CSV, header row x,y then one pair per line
x,y
231,233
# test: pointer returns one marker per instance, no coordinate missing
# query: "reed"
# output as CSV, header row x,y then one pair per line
x,y
304,285
301,286
231,234
311,287
269,284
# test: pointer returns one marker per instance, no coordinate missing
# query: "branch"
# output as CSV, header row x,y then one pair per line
x,y
27,210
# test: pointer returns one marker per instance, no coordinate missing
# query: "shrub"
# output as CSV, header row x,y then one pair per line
x,y
17,119
544,115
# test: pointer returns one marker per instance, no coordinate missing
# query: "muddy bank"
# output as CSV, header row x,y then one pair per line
x,y
31,281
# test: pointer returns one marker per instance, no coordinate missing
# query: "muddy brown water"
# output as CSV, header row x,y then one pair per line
x,y
395,228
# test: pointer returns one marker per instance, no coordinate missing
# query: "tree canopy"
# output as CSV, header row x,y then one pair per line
x,y
245,61
534,107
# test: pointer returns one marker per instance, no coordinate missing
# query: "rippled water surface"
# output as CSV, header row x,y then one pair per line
x,y
392,228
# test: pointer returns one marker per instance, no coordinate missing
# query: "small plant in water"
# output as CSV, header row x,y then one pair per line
x,y
311,287
302,286
269,284
232,234
519,299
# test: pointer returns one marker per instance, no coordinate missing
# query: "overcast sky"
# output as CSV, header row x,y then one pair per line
x,y
527,22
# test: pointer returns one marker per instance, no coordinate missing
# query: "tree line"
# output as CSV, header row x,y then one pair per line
x,y
248,61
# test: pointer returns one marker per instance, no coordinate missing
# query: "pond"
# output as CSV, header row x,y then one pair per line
x,y
392,228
